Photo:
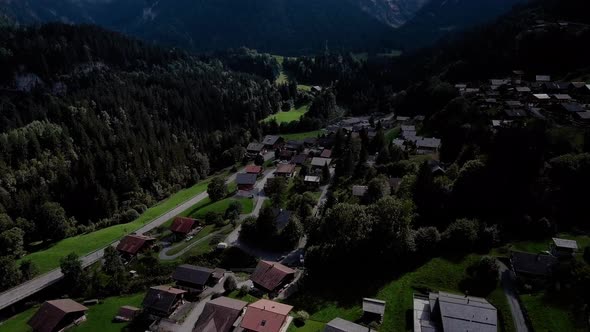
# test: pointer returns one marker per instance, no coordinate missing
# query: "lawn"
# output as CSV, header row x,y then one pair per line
x,y
285,117
310,326
543,245
300,136
391,134
18,323
221,206
204,232
438,274
48,259
546,315
99,317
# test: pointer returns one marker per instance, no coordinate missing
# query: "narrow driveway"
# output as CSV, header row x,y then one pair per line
x,y
509,287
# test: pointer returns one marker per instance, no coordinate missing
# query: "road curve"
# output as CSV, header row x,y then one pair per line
x,y
35,285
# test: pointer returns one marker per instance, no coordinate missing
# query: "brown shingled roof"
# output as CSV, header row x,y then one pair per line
x,y
270,275
132,244
51,316
182,225
285,169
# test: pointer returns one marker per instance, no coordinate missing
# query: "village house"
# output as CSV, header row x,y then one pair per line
x,y
162,301
270,277
127,313
193,279
294,145
319,162
446,312
326,153
428,145
312,180
563,247
246,181
133,244
532,269
272,142
266,316
285,170
57,315
542,78
341,325
299,159
373,310
255,149
181,226
310,141
220,315
253,169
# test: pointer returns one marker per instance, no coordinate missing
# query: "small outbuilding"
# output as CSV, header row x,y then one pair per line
x,y
57,315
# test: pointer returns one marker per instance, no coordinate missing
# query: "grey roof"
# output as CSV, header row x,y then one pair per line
x,y
271,139
255,147
246,178
161,298
523,89
341,325
565,243
562,96
399,142
499,81
467,313
408,133
374,306
513,103
433,143
359,190
219,315
408,128
584,115
515,113
534,264
543,78
191,274
314,179
320,162
542,96
282,218
299,159
573,107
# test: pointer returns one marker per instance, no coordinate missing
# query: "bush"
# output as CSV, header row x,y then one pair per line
x,y
243,291
300,318
129,216
461,234
230,284
427,239
482,277
587,254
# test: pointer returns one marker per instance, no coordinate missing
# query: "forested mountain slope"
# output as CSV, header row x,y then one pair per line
x,y
101,126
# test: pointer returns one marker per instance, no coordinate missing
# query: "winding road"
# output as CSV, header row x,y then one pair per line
x,y
24,290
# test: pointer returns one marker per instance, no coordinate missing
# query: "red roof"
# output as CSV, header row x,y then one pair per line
x,y
253,169
132,244
265,316
270,275
285,168
182,225
50,316
326,153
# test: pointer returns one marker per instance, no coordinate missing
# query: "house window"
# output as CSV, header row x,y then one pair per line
x,y
263,323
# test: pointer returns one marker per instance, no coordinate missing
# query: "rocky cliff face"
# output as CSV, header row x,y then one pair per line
x,y
392,12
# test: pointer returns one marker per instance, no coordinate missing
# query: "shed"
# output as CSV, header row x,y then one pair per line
x,y
320,162
182,225
127,313
374,307
134,243
56,315
341,325
359,191
246,181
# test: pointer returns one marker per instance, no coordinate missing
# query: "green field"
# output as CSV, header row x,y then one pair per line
x,y
438,274
548,311
547,315
99,317
285,117
300,136
48,259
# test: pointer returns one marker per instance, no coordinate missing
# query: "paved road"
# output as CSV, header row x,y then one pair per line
x,y
507,280
32,286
